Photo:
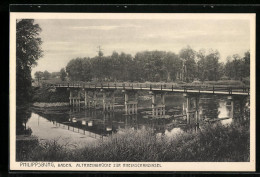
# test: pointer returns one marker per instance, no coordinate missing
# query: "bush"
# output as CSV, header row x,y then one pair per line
x,y
246,81
224,78
47,94
214,143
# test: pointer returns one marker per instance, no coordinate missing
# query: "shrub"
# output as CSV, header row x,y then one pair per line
x,y
214,143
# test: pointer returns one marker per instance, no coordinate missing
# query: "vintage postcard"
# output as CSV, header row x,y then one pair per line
x,y
132,91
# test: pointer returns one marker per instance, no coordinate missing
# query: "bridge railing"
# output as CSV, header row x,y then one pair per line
x,y
158,86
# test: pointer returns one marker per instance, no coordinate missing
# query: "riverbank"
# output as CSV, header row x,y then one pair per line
x,y
49,95
214,143
47,105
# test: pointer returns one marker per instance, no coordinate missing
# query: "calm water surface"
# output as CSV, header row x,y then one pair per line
x,y
80,127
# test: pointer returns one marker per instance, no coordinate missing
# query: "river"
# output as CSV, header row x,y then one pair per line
x,y
80,127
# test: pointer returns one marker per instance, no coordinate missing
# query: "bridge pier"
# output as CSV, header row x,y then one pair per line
x,y
197,113
104,101
108,105
188,107
230,98
70,97
74,101
130,106
87,100
158,109
189,111
94,99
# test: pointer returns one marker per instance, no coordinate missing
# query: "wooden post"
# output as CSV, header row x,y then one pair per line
x,y
126,102
163,103
70,97
78,98
153,103
129,109
188,99
104,101
95,99
86,103
113,100
135,104
232,106
197,114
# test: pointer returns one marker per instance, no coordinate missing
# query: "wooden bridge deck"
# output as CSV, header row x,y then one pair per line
x,y
162,88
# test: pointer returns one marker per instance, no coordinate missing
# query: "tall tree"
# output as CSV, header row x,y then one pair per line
x,y
188,56
246,68
63,74
38,76
46,75
28,51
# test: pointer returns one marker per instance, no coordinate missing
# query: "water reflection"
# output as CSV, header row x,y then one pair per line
x,y
82,127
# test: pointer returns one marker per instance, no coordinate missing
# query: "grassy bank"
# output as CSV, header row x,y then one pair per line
x,y
214,143
50,95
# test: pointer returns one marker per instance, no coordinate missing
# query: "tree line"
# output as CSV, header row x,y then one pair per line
x,y
188,65
45,75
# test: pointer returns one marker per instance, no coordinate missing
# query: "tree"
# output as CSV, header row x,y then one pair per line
x,y
46,75
55,74
28,51
246,68
38,76
63,74
74,69
212,65
188,56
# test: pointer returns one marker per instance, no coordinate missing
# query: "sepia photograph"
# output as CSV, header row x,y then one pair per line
x,y
132,92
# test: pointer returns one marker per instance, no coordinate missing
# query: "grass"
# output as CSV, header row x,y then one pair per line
x,y
214,143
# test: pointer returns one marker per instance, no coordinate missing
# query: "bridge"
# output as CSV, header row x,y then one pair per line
x,y
190,92
218,90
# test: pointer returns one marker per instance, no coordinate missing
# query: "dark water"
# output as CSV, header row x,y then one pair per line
x,y
80,127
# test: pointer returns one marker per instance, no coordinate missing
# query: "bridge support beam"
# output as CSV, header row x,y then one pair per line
x,y
108,104
94,99
191,112
158,109
78,98
230,98
104,101
70,97
112,105
130,106
163,104
188,108
74,101
197,113
153,104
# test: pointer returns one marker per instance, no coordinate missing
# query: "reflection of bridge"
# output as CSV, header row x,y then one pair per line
x,y
191,93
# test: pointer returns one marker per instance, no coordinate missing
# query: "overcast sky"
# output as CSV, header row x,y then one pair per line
x,y
65,39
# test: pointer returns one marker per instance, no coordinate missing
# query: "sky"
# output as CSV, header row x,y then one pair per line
x,y
65,39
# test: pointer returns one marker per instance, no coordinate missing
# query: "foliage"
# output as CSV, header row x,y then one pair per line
x,y
28,51
38,76
63,74
188,57
238,67
214,143
47,94
156,66
46,75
